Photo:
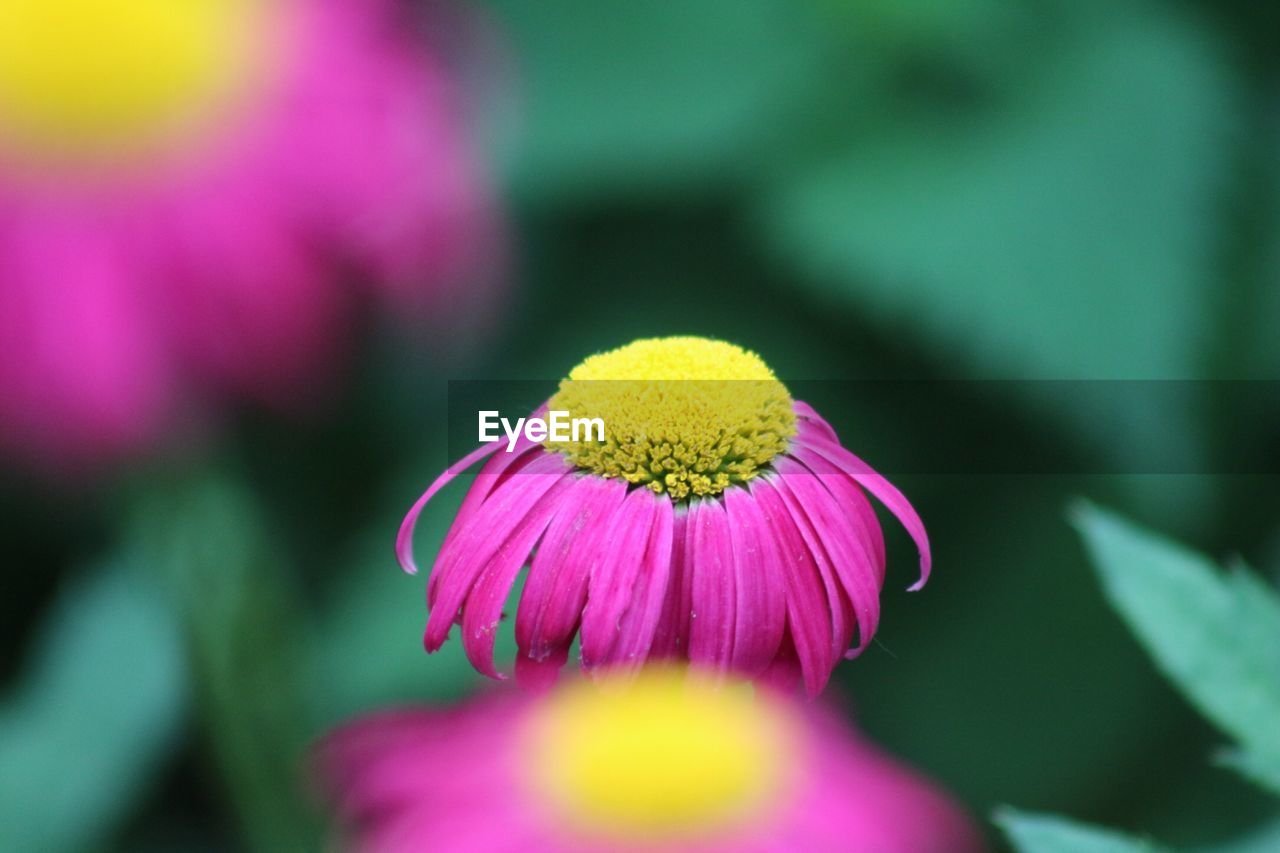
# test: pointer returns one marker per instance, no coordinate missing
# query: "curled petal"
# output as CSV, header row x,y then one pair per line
x,y
884,491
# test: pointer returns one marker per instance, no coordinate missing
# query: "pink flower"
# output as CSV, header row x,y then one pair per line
x,y
751,547
660,763
188,190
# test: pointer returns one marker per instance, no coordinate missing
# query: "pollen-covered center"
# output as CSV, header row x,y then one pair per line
x,y
664,756
91,80
682,415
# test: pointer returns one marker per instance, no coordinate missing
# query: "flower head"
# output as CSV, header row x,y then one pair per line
x,y
661,762
186,189
719,521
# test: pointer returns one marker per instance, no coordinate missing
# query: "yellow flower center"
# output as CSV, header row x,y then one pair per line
x,y
685,416
665,756
92,80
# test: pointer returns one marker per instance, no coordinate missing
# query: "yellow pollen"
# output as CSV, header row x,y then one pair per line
x,y
684,415
668,755
87,81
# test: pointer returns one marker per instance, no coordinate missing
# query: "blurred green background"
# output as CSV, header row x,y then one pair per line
x,y
888,189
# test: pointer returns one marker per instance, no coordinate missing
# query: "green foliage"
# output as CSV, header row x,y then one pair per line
x,y
1057,233
638,93
1216,635
1034,833
99,708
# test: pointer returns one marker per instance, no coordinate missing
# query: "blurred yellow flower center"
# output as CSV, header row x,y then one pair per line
x,y
685,416
667,756
89,80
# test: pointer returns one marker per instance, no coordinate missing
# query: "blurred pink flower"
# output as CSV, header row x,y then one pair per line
x,y
188,192
719,521
658,764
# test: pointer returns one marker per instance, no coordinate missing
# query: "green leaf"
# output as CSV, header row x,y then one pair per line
x,y
1216,635
1037,833
634,93
1058,233
97,711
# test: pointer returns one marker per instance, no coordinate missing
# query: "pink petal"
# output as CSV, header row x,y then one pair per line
x,y
836,536
639,624
671,637
483,608
884,491
712,625
810,420
486,481
761,591
812,617
613,575
844,620
556,588
852,499
404,539
463,559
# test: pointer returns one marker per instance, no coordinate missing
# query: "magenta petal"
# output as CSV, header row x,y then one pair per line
x,y
810,615
671,637
556,588
483,608
783,673
639,624
615,569
836,534
464,557
486,480
884,491
712,624
844,619
540,674
811,421
404,540
761,591
853,501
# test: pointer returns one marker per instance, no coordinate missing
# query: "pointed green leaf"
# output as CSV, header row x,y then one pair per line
x,y
1215,634
95,714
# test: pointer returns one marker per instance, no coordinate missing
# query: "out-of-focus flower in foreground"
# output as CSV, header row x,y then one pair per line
x,y
187,190
661,762
719,521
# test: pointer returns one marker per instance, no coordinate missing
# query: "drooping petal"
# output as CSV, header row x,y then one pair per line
x,y
540,674
486,481
614,572
639,623
810,419
812,618
784,673
852,500
463,559
404,539
483,608
713,618
761,591
556,588
885,492
835,541
844,619
671,638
